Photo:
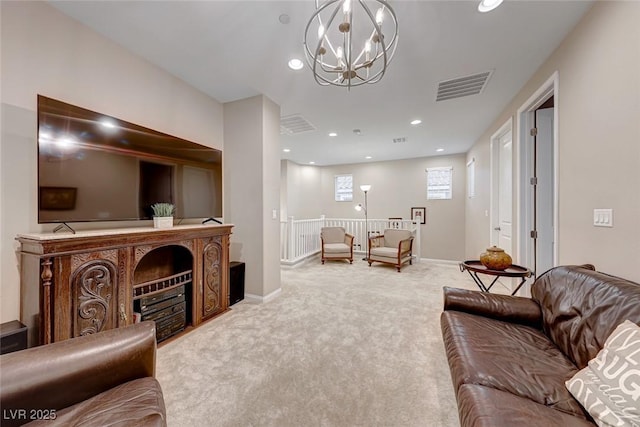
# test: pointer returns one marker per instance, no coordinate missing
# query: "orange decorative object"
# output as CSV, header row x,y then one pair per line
x,y
495,258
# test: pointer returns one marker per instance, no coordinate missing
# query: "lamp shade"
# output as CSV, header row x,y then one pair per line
x,y
365,187
358,207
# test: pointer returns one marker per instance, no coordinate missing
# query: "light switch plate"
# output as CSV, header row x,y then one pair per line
x,y
603,217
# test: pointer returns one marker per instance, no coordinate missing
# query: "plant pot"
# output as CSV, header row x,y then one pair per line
x,y
495,258
162,221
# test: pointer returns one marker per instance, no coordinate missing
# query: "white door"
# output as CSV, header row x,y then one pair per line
x,y
544,191
502,209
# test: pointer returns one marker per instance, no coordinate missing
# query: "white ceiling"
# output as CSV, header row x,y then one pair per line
x,y
236,49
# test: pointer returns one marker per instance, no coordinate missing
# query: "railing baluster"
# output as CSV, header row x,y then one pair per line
x,y
301,238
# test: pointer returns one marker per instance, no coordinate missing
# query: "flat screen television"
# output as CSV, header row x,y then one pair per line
x,y
93,167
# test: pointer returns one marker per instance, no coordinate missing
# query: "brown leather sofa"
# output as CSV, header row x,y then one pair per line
x,y
510,356
105,379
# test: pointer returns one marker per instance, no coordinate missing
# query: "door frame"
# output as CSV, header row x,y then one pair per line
x,y
525,119
494,178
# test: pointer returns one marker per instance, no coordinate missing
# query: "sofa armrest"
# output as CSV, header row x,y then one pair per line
x,y
405,246
58,375
376,241
348,239
501,307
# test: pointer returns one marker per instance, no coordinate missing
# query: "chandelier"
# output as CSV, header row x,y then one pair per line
x,y
350,43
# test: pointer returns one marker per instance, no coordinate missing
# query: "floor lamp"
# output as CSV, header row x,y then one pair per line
x,y
359,207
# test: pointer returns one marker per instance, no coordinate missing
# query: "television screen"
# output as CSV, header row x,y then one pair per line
x,y
93,167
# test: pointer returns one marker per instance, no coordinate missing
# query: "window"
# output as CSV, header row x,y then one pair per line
x,y
471,178
344,188
439,183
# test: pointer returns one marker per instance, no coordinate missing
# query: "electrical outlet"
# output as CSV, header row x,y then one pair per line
x,y
603,217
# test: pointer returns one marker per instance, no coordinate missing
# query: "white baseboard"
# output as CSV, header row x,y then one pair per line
x,y
257,299
441,261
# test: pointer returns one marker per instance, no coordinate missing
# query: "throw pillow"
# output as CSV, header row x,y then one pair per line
x,y
609,386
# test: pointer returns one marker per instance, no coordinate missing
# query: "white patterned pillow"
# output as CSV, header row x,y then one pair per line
x,y
609,386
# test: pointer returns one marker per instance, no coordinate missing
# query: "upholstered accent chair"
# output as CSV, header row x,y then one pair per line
x,y
336,244
393,247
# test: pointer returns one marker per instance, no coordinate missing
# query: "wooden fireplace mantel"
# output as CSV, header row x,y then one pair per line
x,y
76,284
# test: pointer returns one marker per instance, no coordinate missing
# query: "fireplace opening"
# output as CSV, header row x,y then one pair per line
x,y
162,289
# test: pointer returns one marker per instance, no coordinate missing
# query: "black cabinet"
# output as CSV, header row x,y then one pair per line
x,y
236,282
13,337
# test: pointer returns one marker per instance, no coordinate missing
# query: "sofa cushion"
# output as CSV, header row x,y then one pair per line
x,y
337,248
609,387
393,237
385,252
332,234
484,406
132,404
581,307
514,358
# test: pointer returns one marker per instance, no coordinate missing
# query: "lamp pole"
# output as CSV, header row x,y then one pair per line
x,y
366,188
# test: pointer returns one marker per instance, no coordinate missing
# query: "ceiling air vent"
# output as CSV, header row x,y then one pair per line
x,y
462,86
294,124
399,140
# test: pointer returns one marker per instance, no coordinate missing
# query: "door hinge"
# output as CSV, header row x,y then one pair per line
x,y
534,234
534,180
533,131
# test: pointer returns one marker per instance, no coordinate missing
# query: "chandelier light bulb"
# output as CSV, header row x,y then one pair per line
x,y
320,31
346,7
380,16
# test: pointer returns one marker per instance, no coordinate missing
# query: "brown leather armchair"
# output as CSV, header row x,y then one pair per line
x,y
101,379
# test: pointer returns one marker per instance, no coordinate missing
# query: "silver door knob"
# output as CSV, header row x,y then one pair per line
x,y
496,228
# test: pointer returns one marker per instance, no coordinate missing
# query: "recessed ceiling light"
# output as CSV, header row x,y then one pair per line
x,y
488,5
416,122
367,157
286,150
439,150
296,64
312,163
333,134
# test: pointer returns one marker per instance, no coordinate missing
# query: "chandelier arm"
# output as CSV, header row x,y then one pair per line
x,y
315,57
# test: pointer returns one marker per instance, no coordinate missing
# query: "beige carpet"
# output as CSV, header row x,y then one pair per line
x,y
343,345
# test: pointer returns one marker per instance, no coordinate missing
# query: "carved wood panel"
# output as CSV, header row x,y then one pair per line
x,y
94,290
78,259
212,286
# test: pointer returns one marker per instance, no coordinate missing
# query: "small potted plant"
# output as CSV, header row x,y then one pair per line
x,y
162,215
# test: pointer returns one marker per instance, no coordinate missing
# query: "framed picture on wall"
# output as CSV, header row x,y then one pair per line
x,y
419,215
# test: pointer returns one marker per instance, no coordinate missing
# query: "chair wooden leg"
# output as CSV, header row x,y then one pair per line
x,y
323,261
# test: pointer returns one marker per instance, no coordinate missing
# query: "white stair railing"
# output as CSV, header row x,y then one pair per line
x,y
300,239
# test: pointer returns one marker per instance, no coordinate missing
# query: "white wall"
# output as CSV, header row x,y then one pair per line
x,y
598,107
397,186
300,186
252,171
45,52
